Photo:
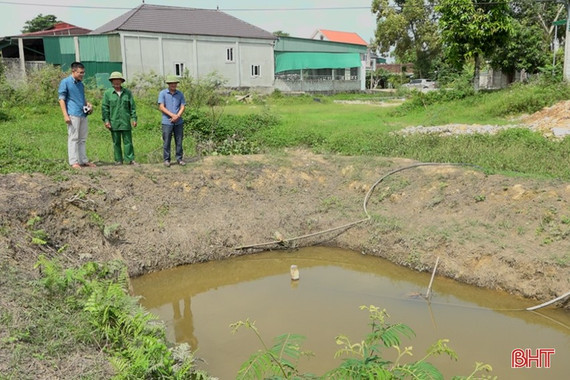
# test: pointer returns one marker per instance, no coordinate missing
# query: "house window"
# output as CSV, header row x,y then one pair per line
x,y
230,55
255,70
179,69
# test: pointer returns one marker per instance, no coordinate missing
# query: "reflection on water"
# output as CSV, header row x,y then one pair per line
x,y
199,302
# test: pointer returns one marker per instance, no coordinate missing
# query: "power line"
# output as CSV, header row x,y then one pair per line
x,y
61,6
225,10
395,7
293,9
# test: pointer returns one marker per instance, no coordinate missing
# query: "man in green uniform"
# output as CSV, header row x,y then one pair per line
x,y
118,110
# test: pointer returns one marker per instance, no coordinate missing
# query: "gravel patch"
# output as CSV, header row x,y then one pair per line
x,y
472,129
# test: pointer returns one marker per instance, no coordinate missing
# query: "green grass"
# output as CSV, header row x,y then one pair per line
x,y
40,331
33,138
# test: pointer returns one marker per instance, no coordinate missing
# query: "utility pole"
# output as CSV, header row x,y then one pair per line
x,y
566,68
566,72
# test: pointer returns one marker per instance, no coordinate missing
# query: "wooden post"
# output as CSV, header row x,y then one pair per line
x,y
428,294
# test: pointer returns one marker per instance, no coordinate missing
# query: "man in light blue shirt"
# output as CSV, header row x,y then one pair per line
x,y
172,103
75,109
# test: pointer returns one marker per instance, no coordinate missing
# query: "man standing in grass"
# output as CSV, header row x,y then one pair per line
x,y
171,103
75,109
118,109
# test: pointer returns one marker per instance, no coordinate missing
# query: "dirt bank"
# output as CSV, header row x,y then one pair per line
x,y
491,231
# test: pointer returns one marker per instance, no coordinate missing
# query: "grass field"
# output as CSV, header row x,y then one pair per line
x,y
33,135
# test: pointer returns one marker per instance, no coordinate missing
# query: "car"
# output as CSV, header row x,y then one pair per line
x,y
421,84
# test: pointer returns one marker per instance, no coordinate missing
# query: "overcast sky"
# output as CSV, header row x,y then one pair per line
x,y
299,18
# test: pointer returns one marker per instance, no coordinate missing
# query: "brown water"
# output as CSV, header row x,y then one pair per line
x,y
199,302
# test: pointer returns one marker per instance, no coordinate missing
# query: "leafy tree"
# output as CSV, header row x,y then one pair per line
x,y
525,50
541,14
280,33
379,78
472,29
531,45
410,27
39,23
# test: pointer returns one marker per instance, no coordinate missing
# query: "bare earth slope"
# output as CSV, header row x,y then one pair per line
x,y
491,231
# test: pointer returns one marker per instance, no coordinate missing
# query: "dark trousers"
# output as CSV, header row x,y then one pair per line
x,y
167,131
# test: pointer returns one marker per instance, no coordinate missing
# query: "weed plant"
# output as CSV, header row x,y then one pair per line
x,y
364,359
39,331
96,295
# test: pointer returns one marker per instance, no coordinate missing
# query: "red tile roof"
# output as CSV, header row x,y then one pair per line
x,y
346,37
59,29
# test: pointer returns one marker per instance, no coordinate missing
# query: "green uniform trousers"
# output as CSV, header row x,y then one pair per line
x,y
127,142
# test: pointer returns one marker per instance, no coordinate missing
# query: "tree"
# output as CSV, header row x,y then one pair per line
x,y
280,33
410,28
541,14
526,49
39,23
531,45
472,29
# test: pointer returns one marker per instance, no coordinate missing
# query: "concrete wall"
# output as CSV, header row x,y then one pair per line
x,y
316,86
494,79
13,70
141,55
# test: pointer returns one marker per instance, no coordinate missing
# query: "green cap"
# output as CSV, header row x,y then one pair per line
x,y
116,75
172,79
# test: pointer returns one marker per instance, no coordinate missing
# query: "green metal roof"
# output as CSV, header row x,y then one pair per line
x,y
294,44
286,61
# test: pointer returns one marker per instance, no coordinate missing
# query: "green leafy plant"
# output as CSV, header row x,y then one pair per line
x,y
38,236
277,361
132,337
231,134
480,197
365,359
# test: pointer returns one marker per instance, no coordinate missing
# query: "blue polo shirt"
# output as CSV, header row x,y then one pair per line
x,y
172,102
73,92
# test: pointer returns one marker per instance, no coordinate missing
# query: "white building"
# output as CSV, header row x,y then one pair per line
x,y
172,40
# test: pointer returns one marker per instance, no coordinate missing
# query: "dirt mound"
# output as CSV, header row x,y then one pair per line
x,y
551,121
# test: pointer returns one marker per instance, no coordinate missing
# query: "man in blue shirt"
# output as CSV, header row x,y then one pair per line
x,y
75,109
172,103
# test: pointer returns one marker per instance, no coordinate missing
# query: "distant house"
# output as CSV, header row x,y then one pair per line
x,y
32,43
336,36
308,65
371,59
176,40
27,51
165,40
406,69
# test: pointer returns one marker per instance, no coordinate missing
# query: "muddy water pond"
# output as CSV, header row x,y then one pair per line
x,y
199,302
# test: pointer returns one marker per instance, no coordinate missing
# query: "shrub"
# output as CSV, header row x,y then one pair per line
x,y
230,134
145,87
133,339
529,98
